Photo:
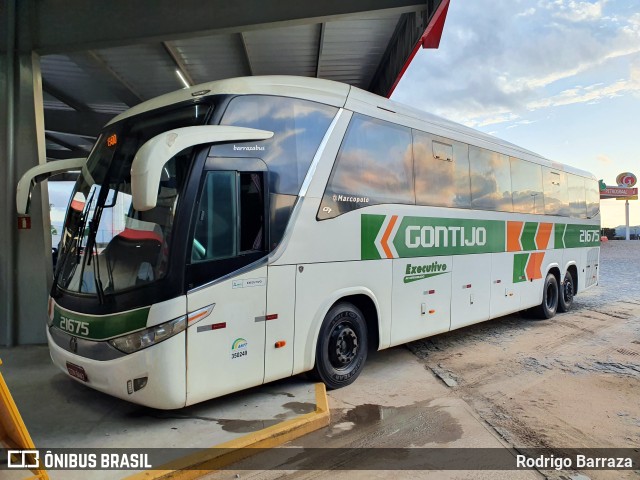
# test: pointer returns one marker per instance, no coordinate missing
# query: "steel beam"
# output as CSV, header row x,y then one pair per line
x,y
247,57
77,123
7,174
64,98
67,145
92,62
404,43
179,61
65,154
320,48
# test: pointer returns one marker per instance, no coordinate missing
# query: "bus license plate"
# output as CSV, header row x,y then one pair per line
x,y
77,372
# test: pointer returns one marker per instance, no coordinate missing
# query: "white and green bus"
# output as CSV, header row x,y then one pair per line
x,y
245,230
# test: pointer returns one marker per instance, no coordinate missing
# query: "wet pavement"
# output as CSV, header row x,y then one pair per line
x,y
396,404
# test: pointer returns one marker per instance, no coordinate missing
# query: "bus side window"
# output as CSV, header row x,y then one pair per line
x,y
490,180
556,194
374,166
577,200
251,235
230,216
592,197
216,213
441,171
526,183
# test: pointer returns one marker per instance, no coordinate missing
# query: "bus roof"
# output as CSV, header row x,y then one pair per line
x,y
342,95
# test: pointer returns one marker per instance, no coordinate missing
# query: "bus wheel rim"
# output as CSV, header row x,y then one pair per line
x,y
568,291
343,345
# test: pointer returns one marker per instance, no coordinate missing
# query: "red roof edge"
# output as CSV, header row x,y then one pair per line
x,y
432,35
430,39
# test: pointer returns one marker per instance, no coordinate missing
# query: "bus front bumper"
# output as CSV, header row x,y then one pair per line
x,y
163,365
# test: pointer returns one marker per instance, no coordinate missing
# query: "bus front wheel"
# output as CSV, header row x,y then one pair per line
x,y
342,346
566,293
550,298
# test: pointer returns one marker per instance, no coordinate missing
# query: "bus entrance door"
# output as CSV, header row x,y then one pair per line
x,y
227,274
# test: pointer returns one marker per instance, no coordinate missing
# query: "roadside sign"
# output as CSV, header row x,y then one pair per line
x,y
635,197
614,192
626,179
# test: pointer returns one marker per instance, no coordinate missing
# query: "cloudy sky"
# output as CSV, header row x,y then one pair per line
x,y
558,77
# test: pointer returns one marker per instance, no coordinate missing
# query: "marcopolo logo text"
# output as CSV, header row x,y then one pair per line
x,y
350,198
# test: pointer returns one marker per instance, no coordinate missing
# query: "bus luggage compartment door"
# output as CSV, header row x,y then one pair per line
x,y
421,298
470,289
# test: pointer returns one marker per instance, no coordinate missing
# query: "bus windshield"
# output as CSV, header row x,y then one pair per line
x,y
107,246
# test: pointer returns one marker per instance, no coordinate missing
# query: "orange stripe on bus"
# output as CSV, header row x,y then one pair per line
x,y
514,229
534,266
193,318
387,234
543,235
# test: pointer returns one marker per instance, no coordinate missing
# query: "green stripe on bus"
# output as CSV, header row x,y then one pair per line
x,y
582,236
370,226
519,266
431,236
528,237
558,233
100,327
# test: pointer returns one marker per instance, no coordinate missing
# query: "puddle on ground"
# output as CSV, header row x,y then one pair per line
x,y
228,424
286,394
300,408
411,425
245,426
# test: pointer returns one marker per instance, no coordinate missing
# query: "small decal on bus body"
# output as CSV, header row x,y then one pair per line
x,y
239,348
249,282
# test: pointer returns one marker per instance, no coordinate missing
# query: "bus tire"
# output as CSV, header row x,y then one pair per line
x,y
342,346
567,291
550,294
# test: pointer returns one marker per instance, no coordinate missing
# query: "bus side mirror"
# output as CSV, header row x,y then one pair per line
x,y
147,166
39,173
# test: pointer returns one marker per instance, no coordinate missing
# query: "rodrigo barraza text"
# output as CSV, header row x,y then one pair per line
x,y
563,463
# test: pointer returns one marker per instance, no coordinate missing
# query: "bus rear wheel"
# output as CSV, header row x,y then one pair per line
x,y
550,298
342,346
566,293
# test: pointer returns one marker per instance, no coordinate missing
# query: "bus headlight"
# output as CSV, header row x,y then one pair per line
x,y
150,336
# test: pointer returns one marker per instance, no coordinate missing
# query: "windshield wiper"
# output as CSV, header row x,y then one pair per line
x,y
96,276
75,246
92,245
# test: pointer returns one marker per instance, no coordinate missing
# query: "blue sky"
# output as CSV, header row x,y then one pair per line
x,y
558,77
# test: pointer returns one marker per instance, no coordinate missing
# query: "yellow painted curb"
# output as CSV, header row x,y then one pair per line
x,y
13,431
208,461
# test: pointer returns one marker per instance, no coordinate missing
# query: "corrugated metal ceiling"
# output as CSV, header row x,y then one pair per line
x,y
104,82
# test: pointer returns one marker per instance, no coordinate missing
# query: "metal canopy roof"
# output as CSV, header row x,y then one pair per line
x,y
110,56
